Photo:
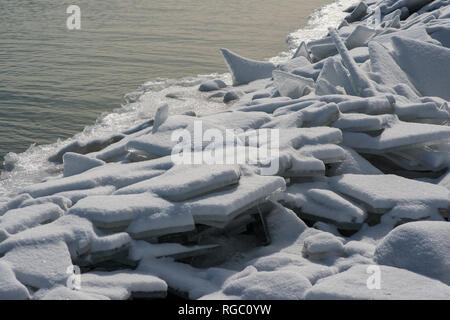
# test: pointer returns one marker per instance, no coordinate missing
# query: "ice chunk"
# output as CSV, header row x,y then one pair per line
x,y
85,146
316,201
360,83
75,163
77,195
219,208
40,266
14,203
239,119
359,122
275,285
121,285
397,284
161,115
183,182
400,135
387,191
245,70
63,202
10,287
422,247
322,243
428,112
426,65
370,106
354,163
302,51
358,13
112,174
211,85
144,215
295,63
292,86
141,249
385,66
360,36
17,220
65,293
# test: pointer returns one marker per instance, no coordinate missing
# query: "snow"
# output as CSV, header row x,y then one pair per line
x,y
75,163
16,220
183,182
388,191
396,284
422,247
263,285
361,183
120,285
10,287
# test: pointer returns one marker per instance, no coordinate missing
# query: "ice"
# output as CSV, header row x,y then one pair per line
x,y
221,207
142,215
396,284
362,176
211,85
280,285
120,285
245,70
359,122
14,203
359,12
183,182
75,163
161,115
302,51
141,249
422,247
370,106
16,220
41,266
322,243
63,202
382,63
387,191
239,119
424,63
112,174
292,86
295,63
10,287
317,201
400,135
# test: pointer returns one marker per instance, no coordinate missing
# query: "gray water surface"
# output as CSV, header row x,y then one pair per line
x,y
55,81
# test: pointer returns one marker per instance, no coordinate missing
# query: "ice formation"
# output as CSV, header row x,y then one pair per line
x,y
361,187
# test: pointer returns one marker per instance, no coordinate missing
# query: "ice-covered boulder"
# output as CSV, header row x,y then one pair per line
x,y
422,247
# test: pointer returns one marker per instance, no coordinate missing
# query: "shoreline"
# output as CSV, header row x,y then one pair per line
x,y
357,194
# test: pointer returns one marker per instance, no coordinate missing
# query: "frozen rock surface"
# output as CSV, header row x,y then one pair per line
x,y
319,175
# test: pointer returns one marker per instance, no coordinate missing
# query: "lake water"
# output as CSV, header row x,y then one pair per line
x,y
55,81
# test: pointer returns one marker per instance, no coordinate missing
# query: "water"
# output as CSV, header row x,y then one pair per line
x,y
55,82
